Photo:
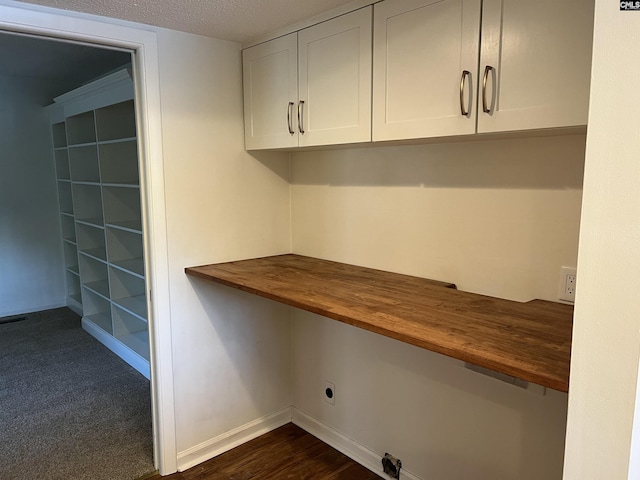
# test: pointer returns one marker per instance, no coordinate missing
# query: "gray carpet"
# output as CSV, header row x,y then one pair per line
x,y
69,407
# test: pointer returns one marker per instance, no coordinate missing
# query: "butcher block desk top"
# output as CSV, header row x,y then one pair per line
x,y
530,341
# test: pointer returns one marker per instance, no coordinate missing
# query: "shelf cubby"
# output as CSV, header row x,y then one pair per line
x,y
97,310
73,287
62,164
91,241
83,164
128,292
131,331
74,292
68,228
65,198
59,134
122,207
125,250
87,203
81,129
119,162
94,275
71,257
116,121
97,170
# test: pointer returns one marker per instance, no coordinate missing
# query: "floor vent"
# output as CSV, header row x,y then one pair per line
x,y
11,320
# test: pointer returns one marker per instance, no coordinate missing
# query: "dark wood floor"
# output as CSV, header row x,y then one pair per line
x,y
285,453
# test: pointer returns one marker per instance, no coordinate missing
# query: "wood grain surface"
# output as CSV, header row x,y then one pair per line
x,y
285,453
531,340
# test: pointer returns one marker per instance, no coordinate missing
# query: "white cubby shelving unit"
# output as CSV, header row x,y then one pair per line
x,y
67,215
96,159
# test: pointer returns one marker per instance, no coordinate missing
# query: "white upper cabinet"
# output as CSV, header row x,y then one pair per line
x,y
440,68
334,70
425,68
270,77
536,57
312,87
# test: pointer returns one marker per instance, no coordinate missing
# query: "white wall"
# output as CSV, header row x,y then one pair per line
x,y
497,217
31,261
231,351
445,422
227,356
606,343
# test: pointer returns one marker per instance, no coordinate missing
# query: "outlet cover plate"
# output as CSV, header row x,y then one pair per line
x,y
567,284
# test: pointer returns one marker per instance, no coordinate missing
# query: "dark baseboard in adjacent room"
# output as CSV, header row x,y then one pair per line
x,y
12,319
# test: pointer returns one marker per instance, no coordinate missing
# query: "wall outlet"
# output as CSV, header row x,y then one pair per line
x,y
567,285
391,465
329,393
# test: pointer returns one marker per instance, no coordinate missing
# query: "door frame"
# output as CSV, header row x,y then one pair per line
x,y
141,40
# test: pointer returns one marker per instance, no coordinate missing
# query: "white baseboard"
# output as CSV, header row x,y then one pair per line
x,y
116,346
351,448
74,305
40,308
222,443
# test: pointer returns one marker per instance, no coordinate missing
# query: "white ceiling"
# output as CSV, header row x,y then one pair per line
x,y
235,20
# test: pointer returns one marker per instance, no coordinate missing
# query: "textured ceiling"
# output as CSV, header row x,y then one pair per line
x,y
236,20
66,66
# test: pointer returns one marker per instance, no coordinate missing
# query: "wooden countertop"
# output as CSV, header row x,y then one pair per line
x,y
530,341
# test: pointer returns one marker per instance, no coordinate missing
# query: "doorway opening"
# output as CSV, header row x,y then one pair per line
x,y
69,235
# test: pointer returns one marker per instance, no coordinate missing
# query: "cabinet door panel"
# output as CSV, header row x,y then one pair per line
x,y
335,80
421,48
270,78
541,52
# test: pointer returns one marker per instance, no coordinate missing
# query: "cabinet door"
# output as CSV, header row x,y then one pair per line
x,y
537,59
270,78
421,49
335,80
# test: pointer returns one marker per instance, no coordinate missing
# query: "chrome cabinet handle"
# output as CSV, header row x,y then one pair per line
x,y
289,110
300,116
464,112
485,108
